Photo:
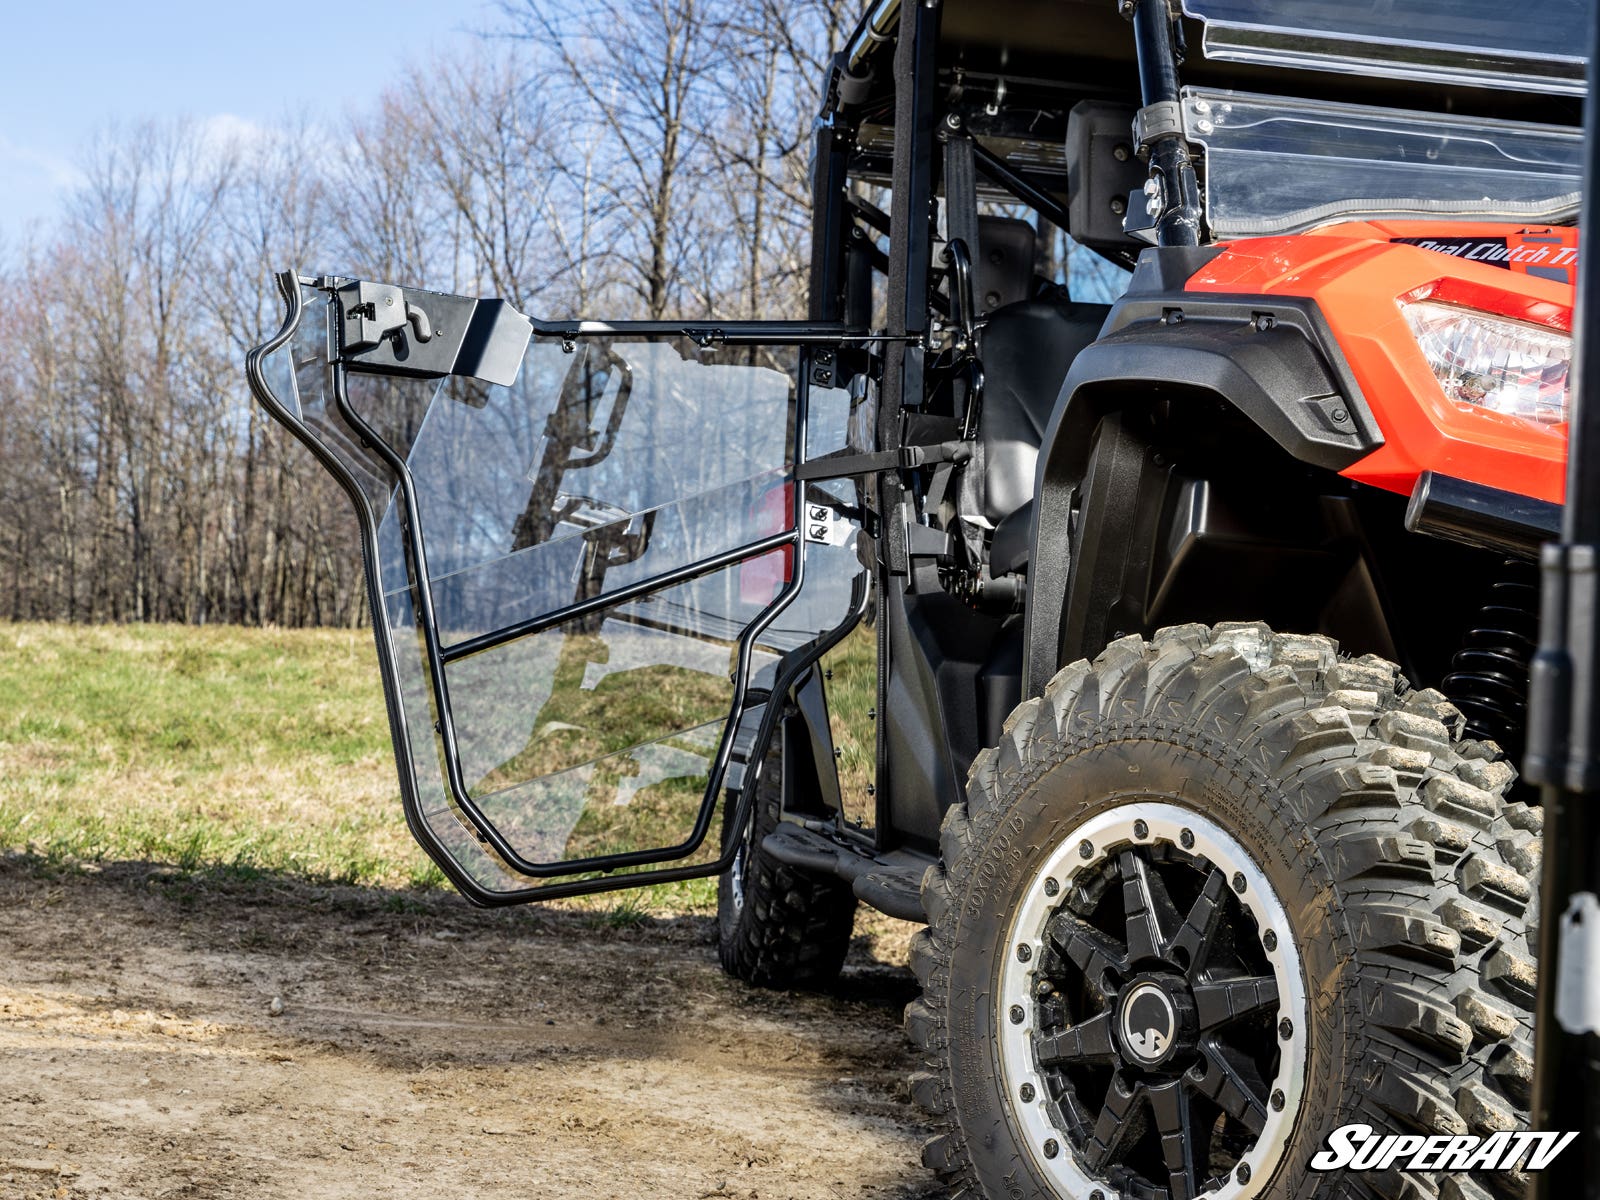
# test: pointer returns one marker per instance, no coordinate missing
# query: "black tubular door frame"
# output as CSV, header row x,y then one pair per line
x,y
797,333
444,718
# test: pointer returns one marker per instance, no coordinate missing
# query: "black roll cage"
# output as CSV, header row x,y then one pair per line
x,y
844,256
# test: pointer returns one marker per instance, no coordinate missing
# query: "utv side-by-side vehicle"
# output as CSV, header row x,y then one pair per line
x,y
1166,657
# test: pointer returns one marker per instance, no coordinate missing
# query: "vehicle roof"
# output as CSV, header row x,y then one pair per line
x,y
1083,49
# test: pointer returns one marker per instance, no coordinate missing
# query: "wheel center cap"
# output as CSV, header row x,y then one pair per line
x,y
1151,1023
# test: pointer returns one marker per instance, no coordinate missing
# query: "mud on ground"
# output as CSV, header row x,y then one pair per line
x,y
426,1049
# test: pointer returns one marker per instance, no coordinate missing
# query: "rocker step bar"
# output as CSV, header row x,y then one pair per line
x,y
890,883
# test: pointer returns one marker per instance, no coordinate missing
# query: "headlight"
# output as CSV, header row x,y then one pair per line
x,y
1509,366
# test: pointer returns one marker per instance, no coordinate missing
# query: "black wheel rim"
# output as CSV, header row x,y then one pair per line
x,y
1154,1015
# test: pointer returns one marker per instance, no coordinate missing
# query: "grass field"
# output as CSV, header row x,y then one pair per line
x,y
216,751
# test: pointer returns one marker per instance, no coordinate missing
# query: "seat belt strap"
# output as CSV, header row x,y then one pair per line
x,y
907,458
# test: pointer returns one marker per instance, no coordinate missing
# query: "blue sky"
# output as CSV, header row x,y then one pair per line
x,y
73,67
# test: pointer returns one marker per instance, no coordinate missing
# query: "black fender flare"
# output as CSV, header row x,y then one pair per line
x,y
1273,359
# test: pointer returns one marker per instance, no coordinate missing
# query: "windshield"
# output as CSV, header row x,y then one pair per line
x,y
1483,43
1275,165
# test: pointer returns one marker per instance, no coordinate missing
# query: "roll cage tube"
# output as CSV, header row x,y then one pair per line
x,y
1173,191
487,343
1563,757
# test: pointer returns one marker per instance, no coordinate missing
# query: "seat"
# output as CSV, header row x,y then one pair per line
x,y
1026,348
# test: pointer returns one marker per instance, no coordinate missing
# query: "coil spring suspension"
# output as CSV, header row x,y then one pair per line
x,y
1488,679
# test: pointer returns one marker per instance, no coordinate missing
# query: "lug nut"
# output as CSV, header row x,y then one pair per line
x,y
1270,941
1026,1092
1286,1029
1024,952
1277,1100
1085,849
1238,881
1243,1173
1017,1015
1051,887
1186,839
1141,830
1051,1148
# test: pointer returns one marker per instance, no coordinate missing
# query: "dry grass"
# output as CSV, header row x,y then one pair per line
x,y
216,751
221,748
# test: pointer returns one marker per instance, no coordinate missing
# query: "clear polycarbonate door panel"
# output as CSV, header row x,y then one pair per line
x,y
610,554
606,465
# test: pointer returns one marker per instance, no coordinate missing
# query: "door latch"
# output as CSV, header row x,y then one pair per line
x,y
378,310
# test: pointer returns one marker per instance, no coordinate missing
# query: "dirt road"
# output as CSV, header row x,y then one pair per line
x,y
425,1049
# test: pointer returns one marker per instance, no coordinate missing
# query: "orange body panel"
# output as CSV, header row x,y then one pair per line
x,y
1357,273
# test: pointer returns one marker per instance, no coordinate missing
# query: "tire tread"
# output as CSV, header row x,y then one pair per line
x,y
1427,858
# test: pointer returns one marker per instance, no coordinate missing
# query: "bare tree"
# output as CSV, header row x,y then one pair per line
x,y
478,129
640,69
769,86
622,158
